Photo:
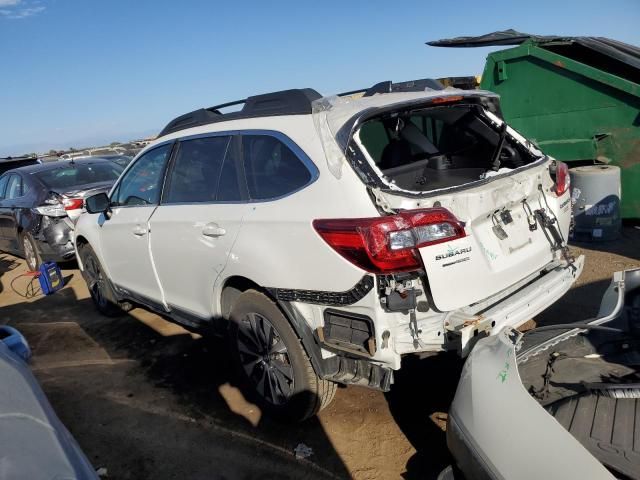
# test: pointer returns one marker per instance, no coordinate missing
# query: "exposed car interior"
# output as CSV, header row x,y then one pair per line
x,y
439,147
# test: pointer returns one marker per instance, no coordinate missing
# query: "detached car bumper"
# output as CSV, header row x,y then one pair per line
x,y
497,430
563,407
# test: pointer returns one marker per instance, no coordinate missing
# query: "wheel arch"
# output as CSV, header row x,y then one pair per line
x,y
231,290
235,285
80,242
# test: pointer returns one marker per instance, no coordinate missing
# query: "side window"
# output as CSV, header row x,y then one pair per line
x,y
196,170
141,185
14,187
271,168
3,185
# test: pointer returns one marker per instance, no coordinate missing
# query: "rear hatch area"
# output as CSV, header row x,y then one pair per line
x,y
453,152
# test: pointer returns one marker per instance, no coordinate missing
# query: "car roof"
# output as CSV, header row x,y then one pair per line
x,y
285,102
297,101
338,110
43,167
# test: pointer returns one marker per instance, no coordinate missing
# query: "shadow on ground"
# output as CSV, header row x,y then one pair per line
x,y
419,402
148,403
7,263
627,245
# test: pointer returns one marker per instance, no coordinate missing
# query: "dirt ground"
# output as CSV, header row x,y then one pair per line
x,y
147,399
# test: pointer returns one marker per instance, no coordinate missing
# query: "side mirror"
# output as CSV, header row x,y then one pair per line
x,y
98,203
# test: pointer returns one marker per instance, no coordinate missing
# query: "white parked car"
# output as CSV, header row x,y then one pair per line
x,y
330,236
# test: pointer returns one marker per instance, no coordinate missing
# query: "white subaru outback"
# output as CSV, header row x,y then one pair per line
x,y
329,236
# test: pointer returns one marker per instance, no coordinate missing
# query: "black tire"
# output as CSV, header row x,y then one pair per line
x,y
30,252
272,363
96,281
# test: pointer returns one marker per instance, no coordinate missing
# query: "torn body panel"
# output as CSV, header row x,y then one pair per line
x,y
55,238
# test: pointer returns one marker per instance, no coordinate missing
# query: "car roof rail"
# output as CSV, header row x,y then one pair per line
x,y
286,102
389,87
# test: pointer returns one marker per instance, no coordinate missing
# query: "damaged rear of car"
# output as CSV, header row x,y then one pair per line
x,y
39,205
498,255
560,401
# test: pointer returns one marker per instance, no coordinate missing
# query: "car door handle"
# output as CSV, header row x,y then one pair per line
x,y
213,230
139,231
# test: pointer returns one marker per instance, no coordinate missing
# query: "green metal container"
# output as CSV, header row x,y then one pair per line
x,y
578,98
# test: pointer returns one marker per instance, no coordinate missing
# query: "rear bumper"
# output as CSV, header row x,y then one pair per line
x,y
393,336
517,308
57,253
55,239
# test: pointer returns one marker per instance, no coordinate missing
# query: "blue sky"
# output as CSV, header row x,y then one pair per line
x,y
76,73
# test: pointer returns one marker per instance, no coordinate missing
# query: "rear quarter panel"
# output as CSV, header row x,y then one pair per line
x,y
277,245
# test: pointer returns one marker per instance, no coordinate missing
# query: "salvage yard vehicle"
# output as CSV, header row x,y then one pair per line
x,y
40,203
559,402
15,162
329,236
35,443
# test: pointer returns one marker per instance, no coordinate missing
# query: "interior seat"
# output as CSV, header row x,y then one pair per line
x,y
395,154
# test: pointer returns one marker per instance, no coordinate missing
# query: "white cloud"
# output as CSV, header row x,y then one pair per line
x,y
15,9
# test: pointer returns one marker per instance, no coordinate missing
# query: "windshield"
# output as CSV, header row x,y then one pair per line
x,y
73,175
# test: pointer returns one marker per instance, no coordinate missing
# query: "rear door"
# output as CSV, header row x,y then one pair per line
x,y
195,227
125,235
15,200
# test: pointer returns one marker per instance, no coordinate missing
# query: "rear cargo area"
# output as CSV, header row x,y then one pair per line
x,y
424,149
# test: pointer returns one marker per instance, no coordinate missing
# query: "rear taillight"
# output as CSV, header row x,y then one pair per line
x,y
389,244
563,181
72,203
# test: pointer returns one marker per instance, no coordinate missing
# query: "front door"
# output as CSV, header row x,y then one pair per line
x,y
125,235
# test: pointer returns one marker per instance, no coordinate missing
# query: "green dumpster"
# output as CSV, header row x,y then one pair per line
x,y
578,98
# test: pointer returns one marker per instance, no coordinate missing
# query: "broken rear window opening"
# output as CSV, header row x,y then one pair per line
x,y
73,175
439,147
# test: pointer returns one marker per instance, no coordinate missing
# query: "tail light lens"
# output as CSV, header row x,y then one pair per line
x,y
389,244
72,203
563,180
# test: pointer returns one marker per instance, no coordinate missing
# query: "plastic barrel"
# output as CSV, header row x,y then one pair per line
x,y
595,199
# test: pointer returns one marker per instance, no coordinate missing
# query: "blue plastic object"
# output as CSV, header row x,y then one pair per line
x,y
50,278
15,342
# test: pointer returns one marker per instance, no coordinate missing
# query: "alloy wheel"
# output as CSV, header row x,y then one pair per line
x,y
95,273
265,358
29,254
